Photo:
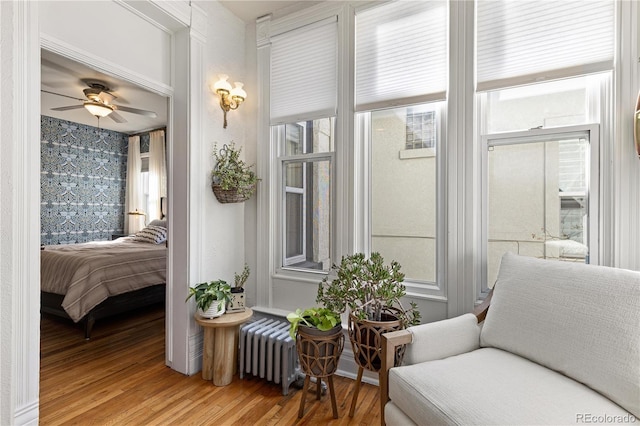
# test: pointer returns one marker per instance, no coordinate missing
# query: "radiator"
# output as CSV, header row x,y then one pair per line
x,y
267,351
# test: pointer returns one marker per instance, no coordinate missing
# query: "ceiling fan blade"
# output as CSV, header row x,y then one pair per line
x,y
64,96
117,117
67,108
150,114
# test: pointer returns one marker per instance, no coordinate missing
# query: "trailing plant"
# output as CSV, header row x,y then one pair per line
x,y
323,319
239,280
207,293
231,172
368,288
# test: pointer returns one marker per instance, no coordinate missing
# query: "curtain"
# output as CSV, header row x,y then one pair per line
x,y
133,192
157,174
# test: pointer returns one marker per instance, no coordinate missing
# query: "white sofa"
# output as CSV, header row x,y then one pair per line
x,y
560,345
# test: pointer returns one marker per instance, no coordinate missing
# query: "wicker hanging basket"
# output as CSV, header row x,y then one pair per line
x,y
231,195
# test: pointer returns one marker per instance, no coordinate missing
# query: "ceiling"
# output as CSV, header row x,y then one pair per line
x,y
249,11
65,77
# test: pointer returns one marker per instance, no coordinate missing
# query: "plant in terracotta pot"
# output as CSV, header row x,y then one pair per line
x,y
232,179
211,298
319,342
371,291
237,291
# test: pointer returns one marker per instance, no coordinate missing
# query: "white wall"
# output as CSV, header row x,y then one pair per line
x,y
219,250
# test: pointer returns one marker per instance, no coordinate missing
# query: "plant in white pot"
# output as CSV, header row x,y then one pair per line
x,y
211,298
237,291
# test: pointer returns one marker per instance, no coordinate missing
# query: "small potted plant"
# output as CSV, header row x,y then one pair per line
x,y
211,298
233,180
237,291
371,291
319,342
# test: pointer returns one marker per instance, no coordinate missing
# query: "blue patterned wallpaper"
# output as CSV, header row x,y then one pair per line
x,y
82,181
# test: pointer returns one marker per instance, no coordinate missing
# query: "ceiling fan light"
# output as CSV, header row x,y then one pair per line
x,y
98,109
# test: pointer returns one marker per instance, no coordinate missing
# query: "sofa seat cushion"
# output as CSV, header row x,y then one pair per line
x,y
580,320
489,386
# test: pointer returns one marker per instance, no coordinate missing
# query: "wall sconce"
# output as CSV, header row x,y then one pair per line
x,y
230,98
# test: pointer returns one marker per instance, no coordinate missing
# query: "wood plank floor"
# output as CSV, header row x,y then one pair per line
x,y
119,378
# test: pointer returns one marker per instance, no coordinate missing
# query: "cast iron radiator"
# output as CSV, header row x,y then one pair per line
x,y
267,351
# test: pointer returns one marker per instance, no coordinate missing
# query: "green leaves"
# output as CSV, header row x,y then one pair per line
x,y
368,288
231,172
207,293
323,319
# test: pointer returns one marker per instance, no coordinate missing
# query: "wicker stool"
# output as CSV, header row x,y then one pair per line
x,y
319,353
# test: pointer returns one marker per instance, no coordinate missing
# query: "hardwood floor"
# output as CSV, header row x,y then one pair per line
x,y
119,378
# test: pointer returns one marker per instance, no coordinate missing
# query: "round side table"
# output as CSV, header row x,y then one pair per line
x,y
219,348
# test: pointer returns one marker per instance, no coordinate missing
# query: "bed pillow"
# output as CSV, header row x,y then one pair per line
x,y
152,234
158,222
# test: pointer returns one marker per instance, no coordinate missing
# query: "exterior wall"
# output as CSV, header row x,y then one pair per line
x,y
82,181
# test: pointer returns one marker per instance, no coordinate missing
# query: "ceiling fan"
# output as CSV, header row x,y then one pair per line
x,y
99,103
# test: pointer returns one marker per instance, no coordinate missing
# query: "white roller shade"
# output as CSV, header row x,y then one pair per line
x,y
521,42
401,54
304,73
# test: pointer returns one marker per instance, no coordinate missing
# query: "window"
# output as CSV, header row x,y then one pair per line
x,y
306,168
401,83
421,129
403,190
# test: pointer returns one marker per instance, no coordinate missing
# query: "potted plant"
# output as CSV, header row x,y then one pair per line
x,y
237,291
319,342
211,298
371,291
233,180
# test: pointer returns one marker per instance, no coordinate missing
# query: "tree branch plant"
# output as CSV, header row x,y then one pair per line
x,y
231,175
368,288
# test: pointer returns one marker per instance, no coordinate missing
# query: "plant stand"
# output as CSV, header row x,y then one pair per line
x,y
319,353
366,341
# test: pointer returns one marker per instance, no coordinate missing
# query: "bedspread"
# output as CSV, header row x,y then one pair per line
x,y
87,274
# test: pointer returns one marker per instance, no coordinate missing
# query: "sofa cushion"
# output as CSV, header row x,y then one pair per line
x,y
493,387
581,320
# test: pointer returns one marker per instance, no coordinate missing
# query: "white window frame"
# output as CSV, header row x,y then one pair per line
x,y
589,131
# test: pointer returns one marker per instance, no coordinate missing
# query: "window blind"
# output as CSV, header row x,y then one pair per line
x,y
401,54
520,42
304,73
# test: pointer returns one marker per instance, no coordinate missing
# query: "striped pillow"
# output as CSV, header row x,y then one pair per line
x,y
151,234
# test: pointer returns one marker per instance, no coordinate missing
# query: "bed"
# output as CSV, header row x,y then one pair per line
x,y
90,281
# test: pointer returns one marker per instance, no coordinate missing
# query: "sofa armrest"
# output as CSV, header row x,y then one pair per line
x,y
427,342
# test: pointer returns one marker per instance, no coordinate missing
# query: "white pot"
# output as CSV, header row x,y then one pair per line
x,y
215,310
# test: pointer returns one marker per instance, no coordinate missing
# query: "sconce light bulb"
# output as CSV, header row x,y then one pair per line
x,y
238,91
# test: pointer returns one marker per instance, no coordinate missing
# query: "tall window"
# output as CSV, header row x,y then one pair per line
x,y
303,109
401,64
540,143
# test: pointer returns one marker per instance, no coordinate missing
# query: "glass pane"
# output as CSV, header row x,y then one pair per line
x,y
307,215
537,201
552,104
307,137
403,189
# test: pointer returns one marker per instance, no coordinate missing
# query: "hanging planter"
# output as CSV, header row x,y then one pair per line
x,y
233,181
